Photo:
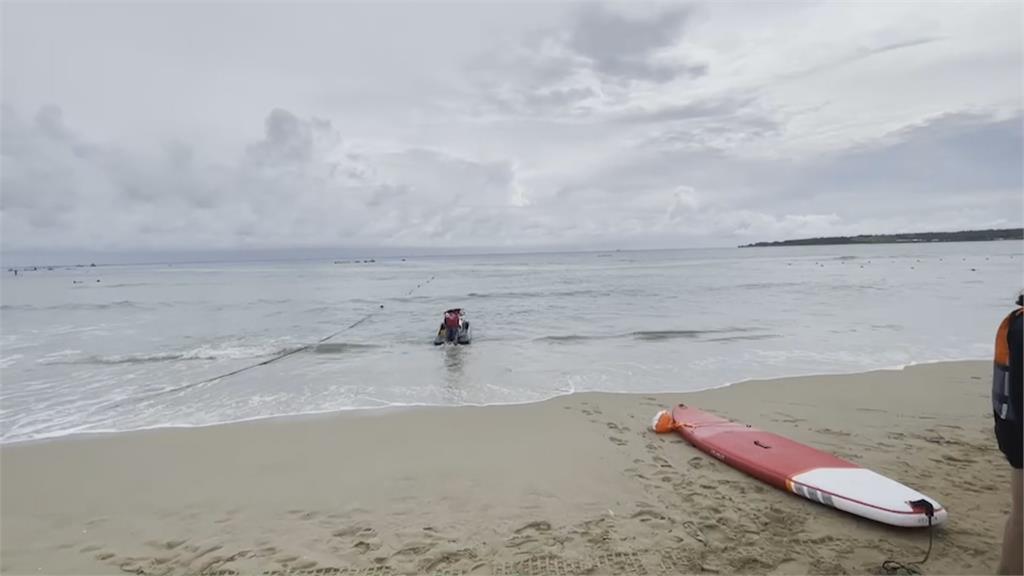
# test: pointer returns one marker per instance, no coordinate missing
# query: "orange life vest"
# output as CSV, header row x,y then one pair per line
x,y
1002,407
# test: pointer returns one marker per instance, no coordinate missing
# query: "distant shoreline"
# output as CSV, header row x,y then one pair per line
x,y
910,238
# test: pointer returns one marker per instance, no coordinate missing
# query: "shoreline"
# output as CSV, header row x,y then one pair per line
x,y
371,411
575,484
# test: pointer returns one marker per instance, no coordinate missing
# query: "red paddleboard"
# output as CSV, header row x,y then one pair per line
x,y
802,470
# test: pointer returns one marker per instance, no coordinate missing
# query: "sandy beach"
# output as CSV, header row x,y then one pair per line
x,y
574,485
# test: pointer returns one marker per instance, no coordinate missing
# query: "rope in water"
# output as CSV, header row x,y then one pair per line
x,y
270,360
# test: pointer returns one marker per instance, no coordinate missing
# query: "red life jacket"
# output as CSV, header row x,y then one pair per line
x,y
451,320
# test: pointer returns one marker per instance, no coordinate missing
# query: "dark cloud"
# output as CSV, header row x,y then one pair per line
x,y
624,47
287,139
960,153
576,73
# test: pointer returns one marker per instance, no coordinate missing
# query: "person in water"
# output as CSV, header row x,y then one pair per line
x,y
1007,376
452,320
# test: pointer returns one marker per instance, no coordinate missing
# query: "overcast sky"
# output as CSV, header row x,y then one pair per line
x,y
230,126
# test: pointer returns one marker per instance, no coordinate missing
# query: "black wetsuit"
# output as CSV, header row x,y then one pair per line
x,y
1009,432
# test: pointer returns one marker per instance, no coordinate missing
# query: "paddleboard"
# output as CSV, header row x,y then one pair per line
x,y
801,469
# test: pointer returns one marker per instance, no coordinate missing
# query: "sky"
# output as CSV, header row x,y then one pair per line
x,y
515,126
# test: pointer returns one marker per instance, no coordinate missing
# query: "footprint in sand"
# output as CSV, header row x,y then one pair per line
x,y
199,553
166,545
430,566
695,532
648,515
520,541
661,462
363,546
539,525
617,441
353,531
414,550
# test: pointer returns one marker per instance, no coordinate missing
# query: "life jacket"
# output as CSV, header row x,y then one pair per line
x,y
451,319
1002,405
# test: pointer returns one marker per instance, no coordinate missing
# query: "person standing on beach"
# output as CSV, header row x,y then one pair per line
x,y
1007,377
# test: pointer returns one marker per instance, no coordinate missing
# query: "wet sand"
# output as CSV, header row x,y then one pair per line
x,y
575,485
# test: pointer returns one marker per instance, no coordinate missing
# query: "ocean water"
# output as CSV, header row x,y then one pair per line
x,y
127,347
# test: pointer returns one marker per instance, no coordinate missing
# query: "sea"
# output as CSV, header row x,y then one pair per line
x,y
114,348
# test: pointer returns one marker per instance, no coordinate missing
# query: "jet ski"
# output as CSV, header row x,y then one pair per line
x,y
461,335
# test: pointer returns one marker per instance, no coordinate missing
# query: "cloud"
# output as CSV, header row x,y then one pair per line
x,y
626,47
301,184
956,153
953,171
516,125
699,109
587,66
287,140
858,55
